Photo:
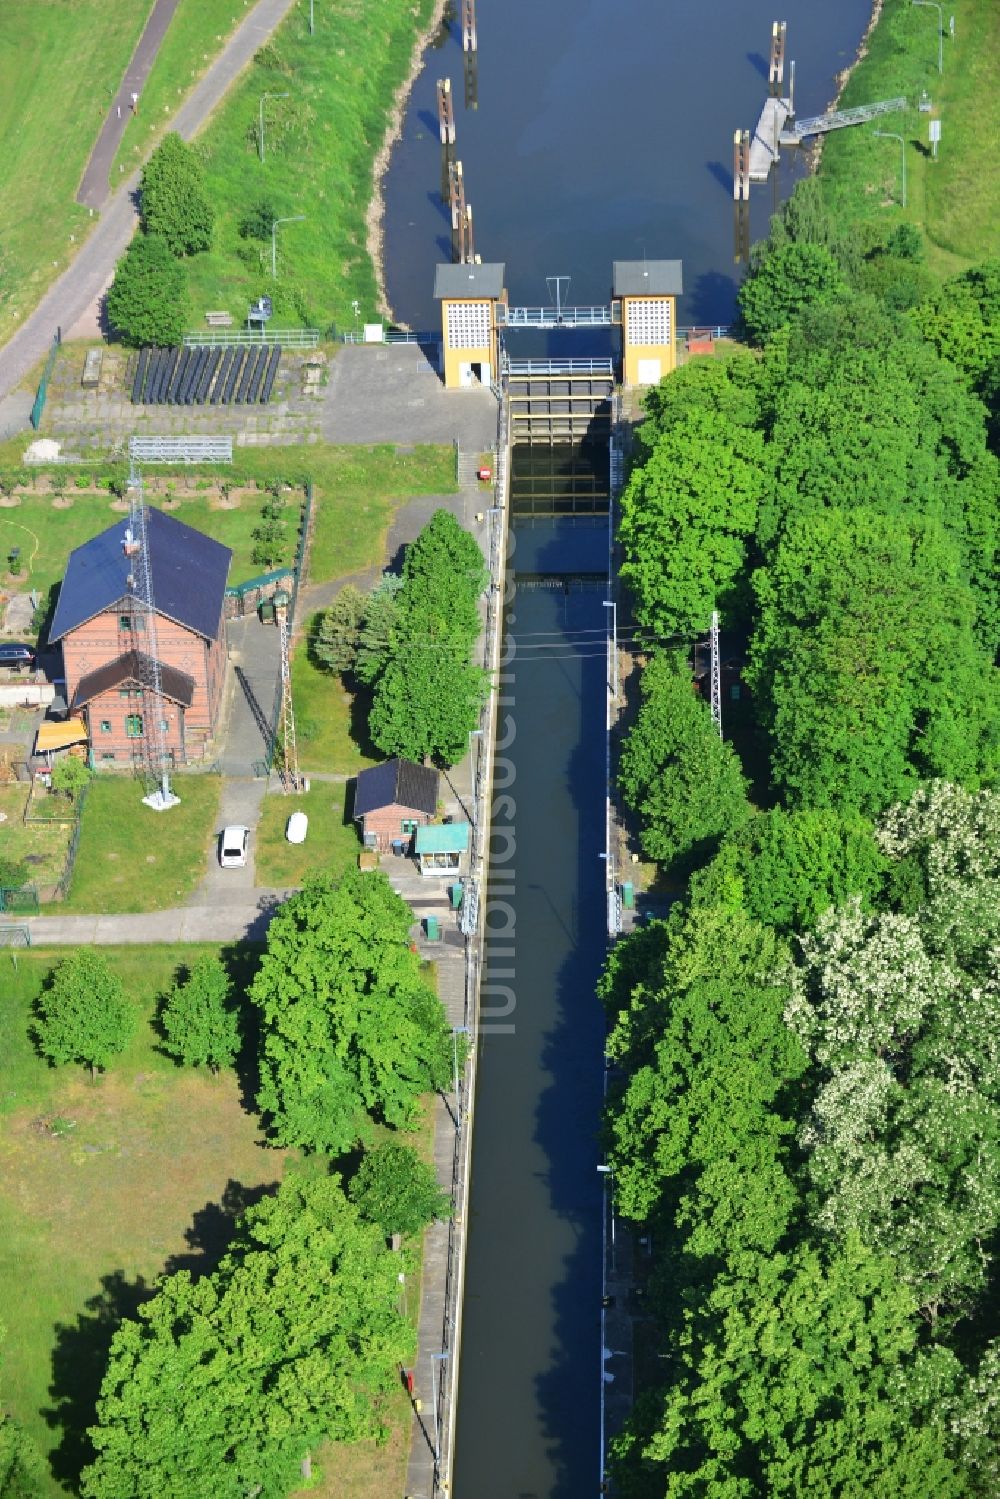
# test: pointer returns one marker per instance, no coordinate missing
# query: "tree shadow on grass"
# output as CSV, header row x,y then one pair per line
x,y
80,1354
79,1359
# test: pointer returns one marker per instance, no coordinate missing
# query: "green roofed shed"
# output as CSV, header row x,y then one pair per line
x,y
439,847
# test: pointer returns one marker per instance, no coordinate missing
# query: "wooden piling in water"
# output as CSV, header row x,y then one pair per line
x,y
469,42
776,70
446,112
456,194
741,165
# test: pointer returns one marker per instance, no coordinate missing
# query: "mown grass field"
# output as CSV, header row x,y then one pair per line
x,y
955,199
104,1186
320,145
331,846
61,62
133,859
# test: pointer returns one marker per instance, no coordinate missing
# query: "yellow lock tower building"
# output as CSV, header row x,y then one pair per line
x,y
470,340
646,293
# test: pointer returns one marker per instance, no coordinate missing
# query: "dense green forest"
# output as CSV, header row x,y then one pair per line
x,y
804,1112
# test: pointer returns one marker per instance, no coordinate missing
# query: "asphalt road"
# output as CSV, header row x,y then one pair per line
x,y
68,298
94,189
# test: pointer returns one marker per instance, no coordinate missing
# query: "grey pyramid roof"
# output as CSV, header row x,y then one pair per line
x,y
189,572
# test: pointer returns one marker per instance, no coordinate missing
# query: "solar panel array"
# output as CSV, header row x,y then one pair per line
x,y
241,376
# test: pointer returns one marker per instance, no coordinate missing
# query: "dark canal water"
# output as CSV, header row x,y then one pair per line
x,y
603,132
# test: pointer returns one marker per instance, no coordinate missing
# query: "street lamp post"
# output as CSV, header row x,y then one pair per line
x,y
933,5
260,136
613,606
312,19
890,135
295,219
436,1358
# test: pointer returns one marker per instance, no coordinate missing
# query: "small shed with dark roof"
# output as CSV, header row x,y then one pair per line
x,y
646,292
393,800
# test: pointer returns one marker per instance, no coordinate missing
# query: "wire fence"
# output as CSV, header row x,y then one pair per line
x,y
43,384
66,878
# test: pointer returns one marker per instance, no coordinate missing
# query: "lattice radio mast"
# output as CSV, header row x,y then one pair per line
x,y
715,675
142,611
290,778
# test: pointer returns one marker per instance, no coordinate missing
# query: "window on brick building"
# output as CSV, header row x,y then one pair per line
x,y
133,726
105,726
409,825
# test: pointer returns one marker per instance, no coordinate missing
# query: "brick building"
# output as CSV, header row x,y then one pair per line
x,y
392,800
105,661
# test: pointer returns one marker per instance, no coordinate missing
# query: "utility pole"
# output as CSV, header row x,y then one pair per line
x,y
296,219
715,674
890,135
933,5
260,134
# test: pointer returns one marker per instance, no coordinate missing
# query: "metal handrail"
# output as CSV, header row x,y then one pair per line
x,y
598,316
228,338
559,367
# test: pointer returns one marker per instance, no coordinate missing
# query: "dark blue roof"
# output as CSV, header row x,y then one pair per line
x,y
396,783
189,573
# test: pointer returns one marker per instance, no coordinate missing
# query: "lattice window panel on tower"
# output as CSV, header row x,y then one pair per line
x,y
647,321
468,325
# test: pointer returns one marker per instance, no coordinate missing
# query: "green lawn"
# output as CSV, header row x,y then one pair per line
x,y
356,493
104,1186
42,846
320,145
330,724
196,34
47,531
61,62
956,199
133,859
359,491
330,846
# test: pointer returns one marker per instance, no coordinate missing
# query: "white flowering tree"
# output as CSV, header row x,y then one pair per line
x,y
946,843
903,1138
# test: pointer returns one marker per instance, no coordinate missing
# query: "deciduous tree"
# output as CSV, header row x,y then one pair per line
x,y
784,281
686,514
224,1384
864,663
397,1190
787,868
799,1374
201,1026
681,779
83,1014
147,300
350,1029
174,201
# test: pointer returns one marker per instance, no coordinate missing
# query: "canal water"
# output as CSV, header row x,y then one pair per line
x,y
603,131
528,1414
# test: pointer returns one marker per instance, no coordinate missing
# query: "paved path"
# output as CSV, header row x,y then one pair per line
x,y
430,1326
94,189
68,299
255,661
240,805
246,916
